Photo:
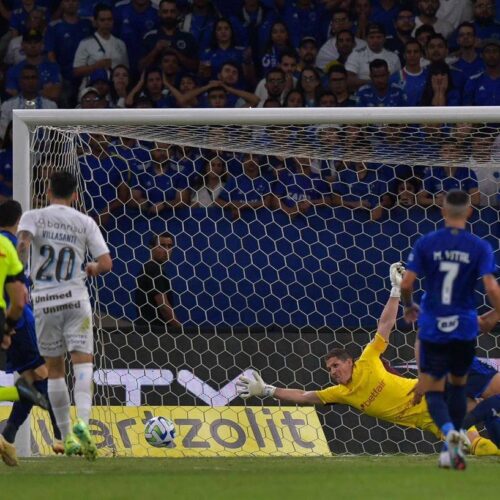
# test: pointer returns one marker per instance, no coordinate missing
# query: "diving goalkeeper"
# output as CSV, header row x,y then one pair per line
x,y
365,383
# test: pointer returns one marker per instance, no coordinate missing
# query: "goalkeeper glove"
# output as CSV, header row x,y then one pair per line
x,y
396,273
247,387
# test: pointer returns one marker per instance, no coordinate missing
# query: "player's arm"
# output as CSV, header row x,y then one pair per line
x,y
257,387
24,239
16,290
166,310
492,290
488,321
389,314
410,308
103,264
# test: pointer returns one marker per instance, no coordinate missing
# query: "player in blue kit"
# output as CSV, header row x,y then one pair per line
x,y
451,260
23,356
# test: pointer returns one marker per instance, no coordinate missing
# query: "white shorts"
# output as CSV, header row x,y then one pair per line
x,y
64,327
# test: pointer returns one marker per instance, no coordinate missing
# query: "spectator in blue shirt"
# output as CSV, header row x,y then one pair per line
x,y
468,61
380,93
159,187
412,78
304,18
439,180
168,36
223,49
20,13
483,89
359,187
247,191
199,22
404,25
437,52
62,39
485,20
385,12
439,90
132,20
105,177
298,189
48,72
151,85
279,41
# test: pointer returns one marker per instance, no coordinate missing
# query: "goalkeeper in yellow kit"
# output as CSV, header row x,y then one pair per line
x,y
365,383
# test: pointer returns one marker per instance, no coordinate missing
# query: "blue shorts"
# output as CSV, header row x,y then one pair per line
x,y
480,375
439,360
23,354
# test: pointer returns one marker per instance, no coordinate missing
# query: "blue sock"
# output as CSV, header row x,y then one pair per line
x,y
457,404
439,411
42,387
482,411
18,414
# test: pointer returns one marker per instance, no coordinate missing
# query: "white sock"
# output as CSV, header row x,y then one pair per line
x,y
83,389
59,400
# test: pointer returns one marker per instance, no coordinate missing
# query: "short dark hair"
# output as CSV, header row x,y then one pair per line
x,y
457,198
438,36
412,41
339,353
467,24
29,67
378,63
275,70
341,32
10,213
219,88
155,239
63,184
337,68
289,53
101,7
425,28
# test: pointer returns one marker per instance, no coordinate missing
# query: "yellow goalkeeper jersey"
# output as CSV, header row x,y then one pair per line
x,y
376,392
10,265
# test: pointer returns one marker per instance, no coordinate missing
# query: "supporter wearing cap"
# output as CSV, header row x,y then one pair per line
x,y
358,63
49,75
99,80
308,50
92,99
483,89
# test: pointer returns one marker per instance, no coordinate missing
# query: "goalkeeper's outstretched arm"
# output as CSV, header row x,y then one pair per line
x,y
248,387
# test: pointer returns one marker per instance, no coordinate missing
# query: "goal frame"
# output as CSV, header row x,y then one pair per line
x,y
24,119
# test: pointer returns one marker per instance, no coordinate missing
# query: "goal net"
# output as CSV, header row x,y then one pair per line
x,y
283,224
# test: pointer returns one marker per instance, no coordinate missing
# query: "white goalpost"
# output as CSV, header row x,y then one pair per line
x,y
297,265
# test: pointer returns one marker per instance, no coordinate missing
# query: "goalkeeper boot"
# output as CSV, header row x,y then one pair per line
x,y
58,447
8,452
72,445
89,449
455,447
28,393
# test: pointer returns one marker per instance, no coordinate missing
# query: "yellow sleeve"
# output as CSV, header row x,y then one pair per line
x,y
375,348
14,265
329,395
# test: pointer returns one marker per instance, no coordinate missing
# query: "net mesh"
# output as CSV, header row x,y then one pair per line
x,y
283,237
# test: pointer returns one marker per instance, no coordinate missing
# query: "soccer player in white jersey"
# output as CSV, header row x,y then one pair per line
x,y
60,237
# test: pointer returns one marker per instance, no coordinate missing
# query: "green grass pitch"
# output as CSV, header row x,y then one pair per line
x,y
358,477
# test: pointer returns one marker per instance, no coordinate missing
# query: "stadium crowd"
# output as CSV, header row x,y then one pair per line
x,y
271,53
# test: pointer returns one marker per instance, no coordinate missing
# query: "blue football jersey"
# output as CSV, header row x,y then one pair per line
x,y
450,261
